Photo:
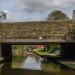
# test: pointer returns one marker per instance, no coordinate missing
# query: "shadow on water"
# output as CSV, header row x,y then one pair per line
x,y
63,66
50,65
7,70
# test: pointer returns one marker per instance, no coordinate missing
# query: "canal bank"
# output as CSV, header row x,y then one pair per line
x,y
67,64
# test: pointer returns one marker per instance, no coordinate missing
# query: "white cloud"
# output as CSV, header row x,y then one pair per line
x,y
36,9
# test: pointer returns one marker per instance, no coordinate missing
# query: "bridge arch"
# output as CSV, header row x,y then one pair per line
x,y
60,31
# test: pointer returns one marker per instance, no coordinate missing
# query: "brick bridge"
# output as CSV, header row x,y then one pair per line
x,y
37,32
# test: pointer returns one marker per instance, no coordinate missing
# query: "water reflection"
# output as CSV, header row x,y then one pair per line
x,y
32,63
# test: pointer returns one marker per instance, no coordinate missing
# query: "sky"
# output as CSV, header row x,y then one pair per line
x,y
35,10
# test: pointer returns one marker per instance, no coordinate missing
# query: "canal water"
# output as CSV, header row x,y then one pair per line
x,y
33,64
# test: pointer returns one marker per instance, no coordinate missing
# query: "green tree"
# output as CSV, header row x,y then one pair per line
x,y
57,15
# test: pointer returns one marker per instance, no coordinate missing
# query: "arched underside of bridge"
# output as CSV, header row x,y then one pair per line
x,y
67,49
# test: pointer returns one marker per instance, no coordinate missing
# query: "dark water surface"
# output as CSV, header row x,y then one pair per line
x,y
33,65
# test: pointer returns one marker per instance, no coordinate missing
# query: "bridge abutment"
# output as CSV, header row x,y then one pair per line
x,y
68,50
0,54
6,51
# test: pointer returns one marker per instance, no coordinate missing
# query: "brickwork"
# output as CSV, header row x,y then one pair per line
x,y
49,30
